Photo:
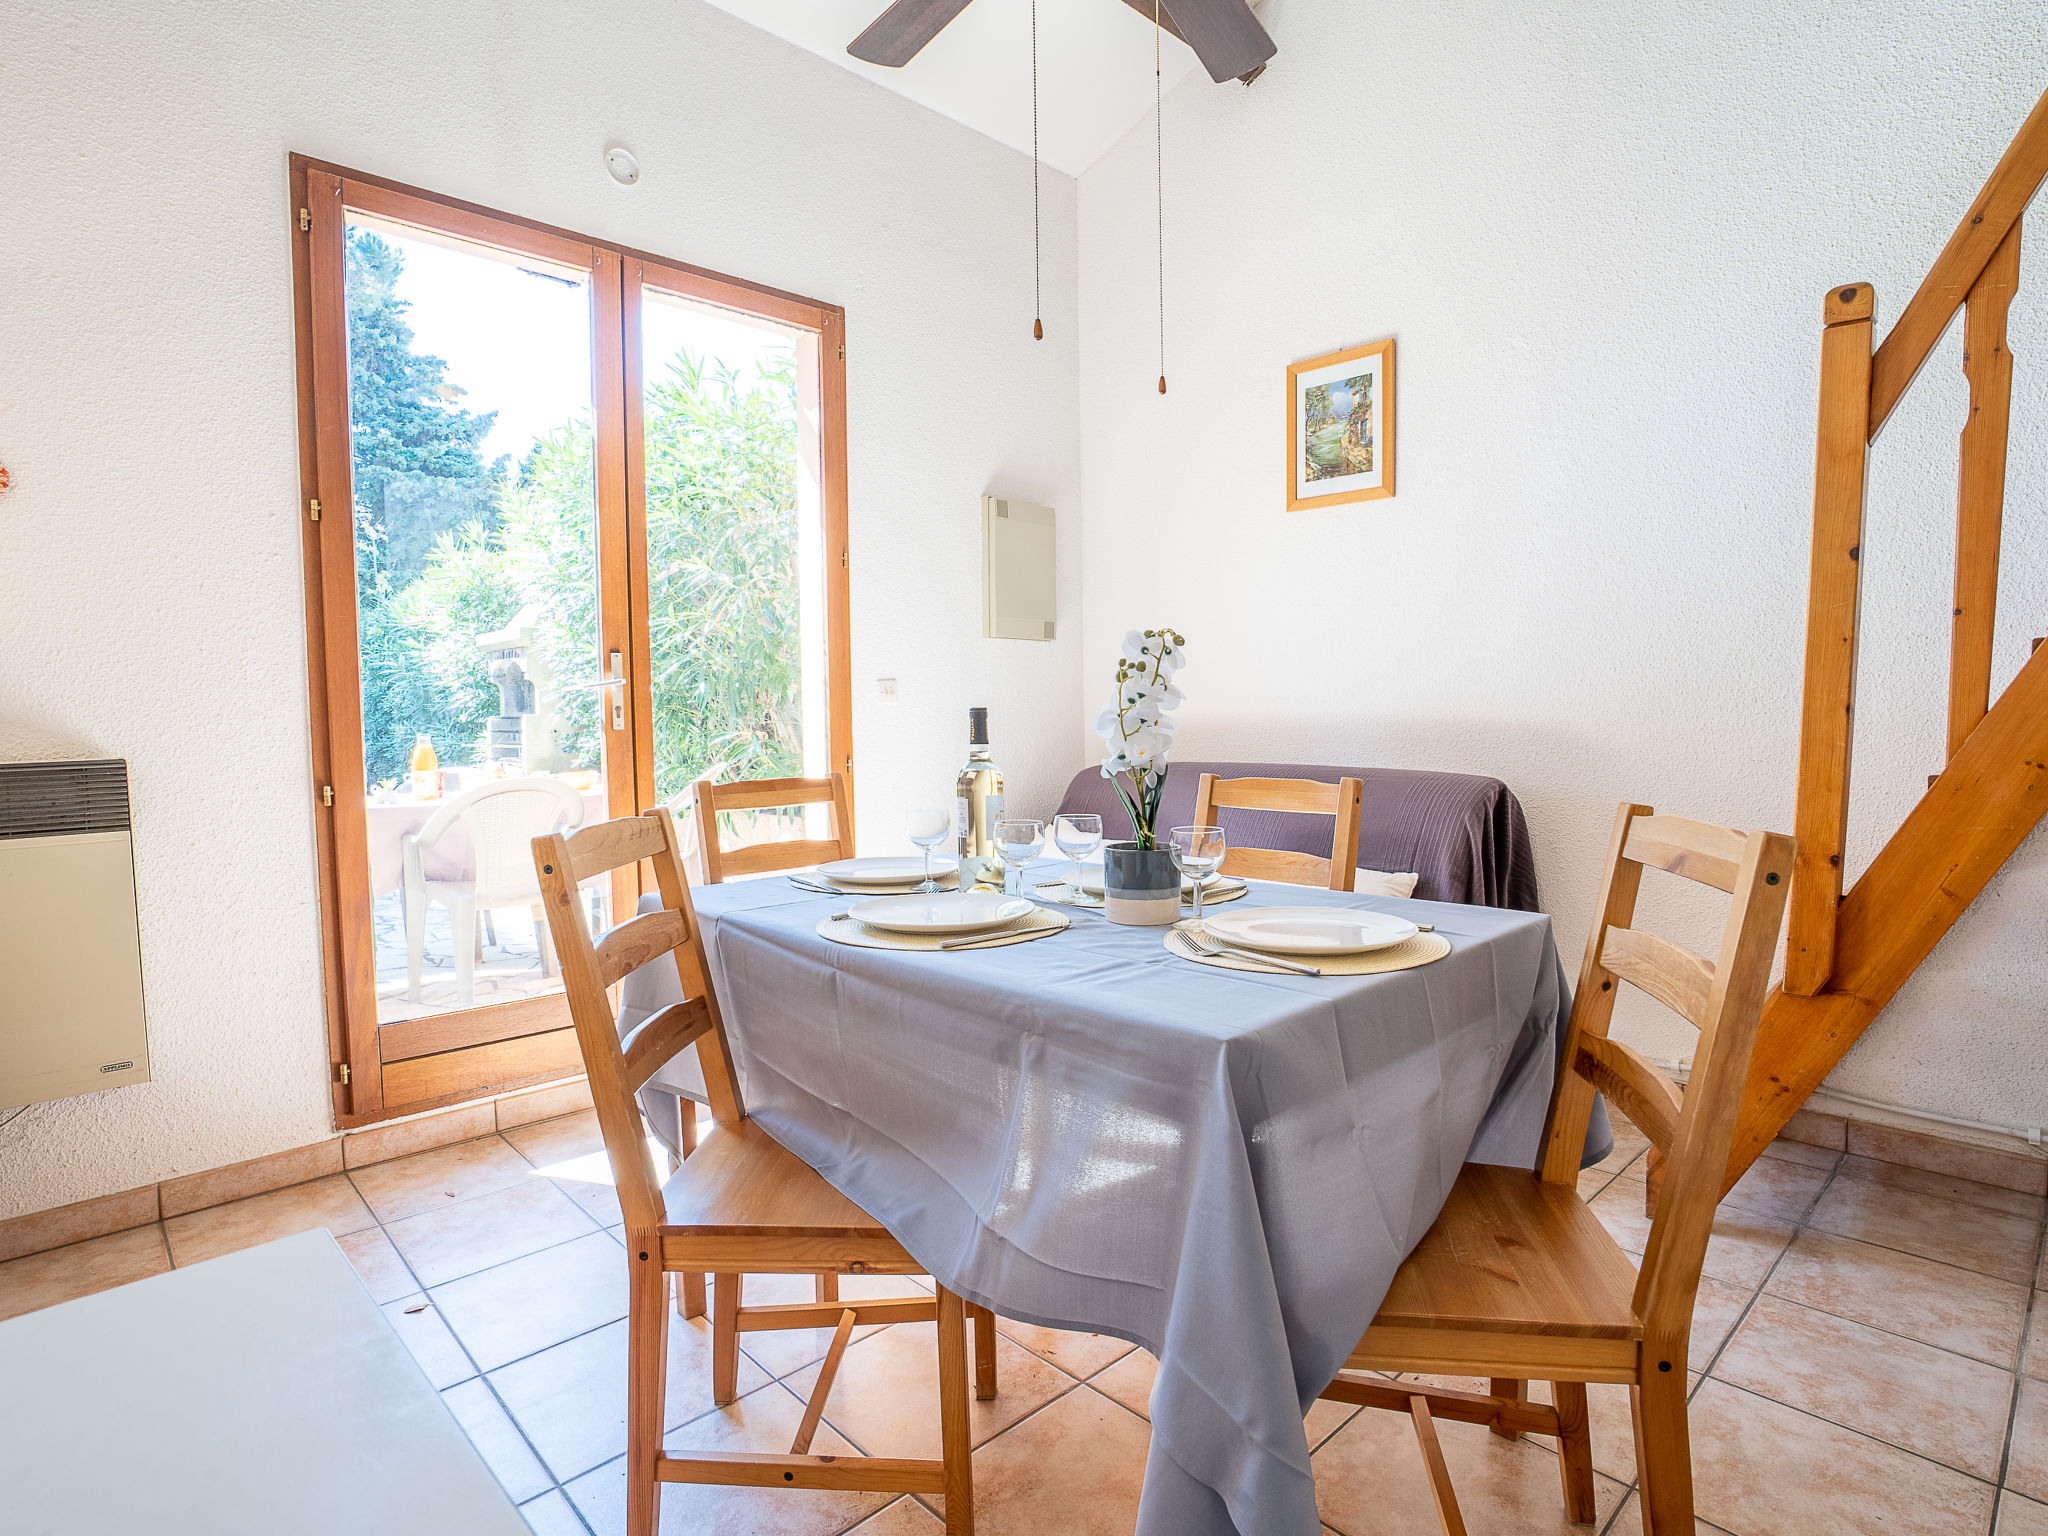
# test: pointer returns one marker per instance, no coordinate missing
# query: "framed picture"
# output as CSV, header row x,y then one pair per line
x,y
1340,427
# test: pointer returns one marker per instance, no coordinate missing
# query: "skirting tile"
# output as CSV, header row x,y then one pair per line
x,y
1957,1159
543,1103
258,1176
40,1230
1817,1129
382,1143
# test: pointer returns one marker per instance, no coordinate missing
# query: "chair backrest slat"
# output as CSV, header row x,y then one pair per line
x,y
1671,973
660,1035
603,848
588,969
1306,797
1626,1076
1698,850
711,800
1723,997
635,942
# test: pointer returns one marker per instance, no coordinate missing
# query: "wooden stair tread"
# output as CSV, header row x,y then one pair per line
x,y
740,1176
1512,1254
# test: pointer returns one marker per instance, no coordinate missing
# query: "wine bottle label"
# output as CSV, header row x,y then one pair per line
x,y
995,812
960,806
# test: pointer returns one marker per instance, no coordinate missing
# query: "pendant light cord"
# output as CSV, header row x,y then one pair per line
x,y
1159,181
1037,286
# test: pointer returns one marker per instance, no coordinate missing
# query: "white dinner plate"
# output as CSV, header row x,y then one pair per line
x,y
1091,881
1310,930
889,871
947,912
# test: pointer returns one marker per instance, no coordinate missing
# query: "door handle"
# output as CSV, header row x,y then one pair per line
x,y
615,686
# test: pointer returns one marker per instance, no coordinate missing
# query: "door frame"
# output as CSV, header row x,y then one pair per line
x,y
378,1072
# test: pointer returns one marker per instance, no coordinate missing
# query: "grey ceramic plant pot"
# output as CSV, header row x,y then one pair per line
x,y
1140,886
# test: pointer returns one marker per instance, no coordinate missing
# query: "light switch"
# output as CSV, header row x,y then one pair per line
x,y
885,687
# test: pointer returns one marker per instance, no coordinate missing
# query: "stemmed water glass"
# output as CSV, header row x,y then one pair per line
x,y
1077,836
928,829
1019,838
1197,853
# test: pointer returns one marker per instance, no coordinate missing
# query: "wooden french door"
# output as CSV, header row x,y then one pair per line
x,y
571,581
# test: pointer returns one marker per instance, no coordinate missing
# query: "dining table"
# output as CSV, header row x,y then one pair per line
x,y
1089,1131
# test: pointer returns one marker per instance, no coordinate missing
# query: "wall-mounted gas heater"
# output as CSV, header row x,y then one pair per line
x,y
70,952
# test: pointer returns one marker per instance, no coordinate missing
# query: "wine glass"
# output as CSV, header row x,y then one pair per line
x,y
1197,853
929,828
1077,836
1019,838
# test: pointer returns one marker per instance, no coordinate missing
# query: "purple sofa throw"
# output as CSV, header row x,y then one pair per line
x,y
1462,834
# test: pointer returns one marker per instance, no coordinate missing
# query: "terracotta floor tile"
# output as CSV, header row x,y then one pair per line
x,y
552,1515
571,1400
1078,1354
1953,1309
2020,1517
1744,1246
598,1198
1370,1481
1629,1145
1800,1152
497,1440
784,1351
38,1280
1940,1405
2036,1364
906,1517
426,1181
1074,1468
1776,1189
1989,1197
1990,1242
1630,1521
559,1139
443,1245
424,1331
2027,1470
531,1304
1129,1381
1762,1469
886,1397
383,1271
764,1420
1715,1311
331,1202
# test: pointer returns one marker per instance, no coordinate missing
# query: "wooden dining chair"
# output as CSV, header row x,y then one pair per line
x,y
1306,797
1518,1279
739,1203
763,795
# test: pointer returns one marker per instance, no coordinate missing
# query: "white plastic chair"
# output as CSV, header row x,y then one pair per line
x,y
503,820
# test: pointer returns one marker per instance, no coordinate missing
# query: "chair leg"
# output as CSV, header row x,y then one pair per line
x,y
1507,1386
984,1351
415,942
462,917
1574,1450
1448,1515
544,940
955,1434
1663,1453
646,1383
828,1287
687,1125
490,928
725,1339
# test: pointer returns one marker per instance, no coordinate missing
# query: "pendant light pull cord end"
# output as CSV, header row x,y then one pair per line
x,y
1162,383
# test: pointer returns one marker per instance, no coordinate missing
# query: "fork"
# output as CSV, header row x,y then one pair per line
x,y
1202,944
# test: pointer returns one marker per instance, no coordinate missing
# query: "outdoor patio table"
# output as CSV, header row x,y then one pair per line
x,y
1087,1132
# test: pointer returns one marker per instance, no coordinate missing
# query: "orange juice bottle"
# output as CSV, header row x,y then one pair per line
x,y
426,769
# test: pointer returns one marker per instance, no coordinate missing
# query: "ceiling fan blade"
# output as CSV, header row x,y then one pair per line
x,y
1144,9
1225,35
894,37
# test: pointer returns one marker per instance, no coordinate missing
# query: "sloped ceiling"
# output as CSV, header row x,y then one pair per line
x,y
1094,66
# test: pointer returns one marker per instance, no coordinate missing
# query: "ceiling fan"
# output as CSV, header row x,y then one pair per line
x,y
1225,35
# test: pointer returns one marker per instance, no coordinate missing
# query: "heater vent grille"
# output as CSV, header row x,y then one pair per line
x,y
59,799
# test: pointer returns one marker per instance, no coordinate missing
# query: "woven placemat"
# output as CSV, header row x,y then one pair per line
x,y
1405,956
1054,890
1038,923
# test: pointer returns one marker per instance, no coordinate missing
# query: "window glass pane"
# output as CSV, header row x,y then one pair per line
x,y
734,557
476,582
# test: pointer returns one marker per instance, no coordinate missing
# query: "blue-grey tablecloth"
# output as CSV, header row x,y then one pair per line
x,y
1087,1132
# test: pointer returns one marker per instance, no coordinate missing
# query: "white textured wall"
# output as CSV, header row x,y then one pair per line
x,y
1601,233
150,597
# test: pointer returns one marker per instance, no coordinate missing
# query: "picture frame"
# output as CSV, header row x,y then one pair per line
x,y
1340,427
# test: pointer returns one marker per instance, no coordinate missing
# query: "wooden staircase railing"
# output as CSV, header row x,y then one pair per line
x,y
1847,956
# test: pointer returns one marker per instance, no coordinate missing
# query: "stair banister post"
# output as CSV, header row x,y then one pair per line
x,y
1834,597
